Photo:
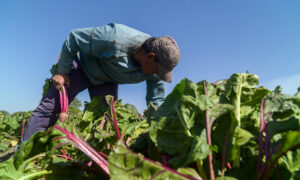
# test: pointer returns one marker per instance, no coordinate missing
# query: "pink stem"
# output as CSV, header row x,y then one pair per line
x,y
88,150
90,163
58,138
102,122
267,141
64,154
208,137
219,81
23,126
115,119
165,160
102,154
276,173
168,169
61,101
224,154
261,129
228,165
65,99
127,141
64,157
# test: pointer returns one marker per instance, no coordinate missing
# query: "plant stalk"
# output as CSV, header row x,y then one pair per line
x,y
36,174
115,118
208,137
201,169
261,129
84,147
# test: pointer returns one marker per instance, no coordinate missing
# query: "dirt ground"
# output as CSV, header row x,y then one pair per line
x,y
6,155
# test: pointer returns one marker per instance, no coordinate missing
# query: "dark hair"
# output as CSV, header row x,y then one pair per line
x,y
148,46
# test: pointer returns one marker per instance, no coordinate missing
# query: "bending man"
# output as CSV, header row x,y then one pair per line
x,y
100,58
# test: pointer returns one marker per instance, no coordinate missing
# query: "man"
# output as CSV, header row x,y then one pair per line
x,y
100,58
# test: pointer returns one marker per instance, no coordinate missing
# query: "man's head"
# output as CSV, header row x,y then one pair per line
x,y
160,56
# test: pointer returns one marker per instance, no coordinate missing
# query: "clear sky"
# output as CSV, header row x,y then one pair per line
x,y
216,38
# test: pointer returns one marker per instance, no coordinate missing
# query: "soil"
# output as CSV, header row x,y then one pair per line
x,y
7,154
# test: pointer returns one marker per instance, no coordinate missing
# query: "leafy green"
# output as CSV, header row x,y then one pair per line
x,y
38,143
8,170
176,127
124,164
254,134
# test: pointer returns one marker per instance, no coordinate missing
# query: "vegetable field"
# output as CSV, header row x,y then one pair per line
x,y
230,129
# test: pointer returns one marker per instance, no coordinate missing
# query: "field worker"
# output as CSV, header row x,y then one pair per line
x,y
100,58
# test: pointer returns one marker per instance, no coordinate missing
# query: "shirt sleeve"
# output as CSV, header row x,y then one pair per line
x,y
155,91
77,40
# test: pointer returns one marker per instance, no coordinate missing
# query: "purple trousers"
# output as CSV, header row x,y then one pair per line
x,y
46,114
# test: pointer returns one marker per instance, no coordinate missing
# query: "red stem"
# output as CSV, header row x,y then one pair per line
x,y
261,129
102,122
224,154
269,168
208,137
165,160
115,118
86,148
167,168
228,165
267,141
23,127
102,154
219,81
127,141
65,99
64,154
276,173
89,164
61,101
58,155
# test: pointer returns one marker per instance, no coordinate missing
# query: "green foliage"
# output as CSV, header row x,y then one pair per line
x,y
3,112
48,81
8,171
127,165
171,136
10,128
175,128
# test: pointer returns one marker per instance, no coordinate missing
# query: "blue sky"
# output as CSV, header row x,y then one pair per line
x,y
216,39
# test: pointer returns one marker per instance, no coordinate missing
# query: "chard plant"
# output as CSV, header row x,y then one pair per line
x,y
64,104
230,129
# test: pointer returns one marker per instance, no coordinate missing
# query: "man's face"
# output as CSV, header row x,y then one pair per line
x,y
148,64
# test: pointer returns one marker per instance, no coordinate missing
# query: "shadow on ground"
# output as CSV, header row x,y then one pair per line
x,y
6,155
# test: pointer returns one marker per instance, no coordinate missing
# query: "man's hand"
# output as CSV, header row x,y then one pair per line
x,y
60,80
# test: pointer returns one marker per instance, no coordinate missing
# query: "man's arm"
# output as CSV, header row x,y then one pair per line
x,y
77,40
155,91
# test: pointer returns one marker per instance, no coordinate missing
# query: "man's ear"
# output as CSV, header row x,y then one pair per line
x,y
151,55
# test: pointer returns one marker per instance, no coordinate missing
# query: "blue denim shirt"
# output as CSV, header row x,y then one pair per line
x,y
105,54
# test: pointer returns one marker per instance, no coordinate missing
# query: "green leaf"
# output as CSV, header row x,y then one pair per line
x,y
40,142
245,98
242,136
8,170
275,127
282,113
63,169
93,114
226,178
289,140
178,126
124,164
190,172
